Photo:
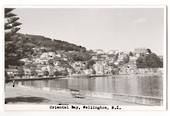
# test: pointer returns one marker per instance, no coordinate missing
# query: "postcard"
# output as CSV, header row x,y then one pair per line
x,y
102,58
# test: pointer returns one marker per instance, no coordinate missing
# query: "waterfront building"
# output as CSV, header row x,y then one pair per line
x,y
27,71
99,67
39,72
12,71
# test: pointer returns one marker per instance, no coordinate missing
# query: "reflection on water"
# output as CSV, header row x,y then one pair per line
x,y
129,85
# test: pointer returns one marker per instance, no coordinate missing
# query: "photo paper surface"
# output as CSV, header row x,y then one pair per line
x,y
85,58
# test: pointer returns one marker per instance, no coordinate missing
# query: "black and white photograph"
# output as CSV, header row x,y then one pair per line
x,y
91,57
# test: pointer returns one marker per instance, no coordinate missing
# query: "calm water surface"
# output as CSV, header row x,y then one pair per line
x,y
130,85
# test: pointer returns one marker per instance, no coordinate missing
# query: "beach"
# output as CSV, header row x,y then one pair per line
x,y
27,95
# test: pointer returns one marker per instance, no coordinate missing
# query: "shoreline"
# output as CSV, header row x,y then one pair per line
x,y
84,76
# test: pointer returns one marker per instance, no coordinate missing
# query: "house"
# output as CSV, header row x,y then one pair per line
x,y
48,55
113,52
57,63
99,51
12,72
27,71
133,58
87,71
26,61
129,68
139,51
37,60
78,67
58,55
103,57
94,57
70,71
39,72
99,67
108,70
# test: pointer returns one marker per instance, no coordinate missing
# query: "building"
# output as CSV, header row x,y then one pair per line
x,y
48,55
27,71
40,73
99,51
139,51
12,72
94,57
99,67
130,67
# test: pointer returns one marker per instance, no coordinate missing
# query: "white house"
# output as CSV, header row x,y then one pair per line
x,y
99,68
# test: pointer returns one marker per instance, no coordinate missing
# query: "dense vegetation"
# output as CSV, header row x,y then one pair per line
x,y
40,41
11,27
149,61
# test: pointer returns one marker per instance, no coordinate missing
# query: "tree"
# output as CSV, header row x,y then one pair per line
x,y
115,56
153,61
11,27
149,51
149,61
113,65
11,24
126,58
130,54
90,64
63,73
56,73
80,56
46,73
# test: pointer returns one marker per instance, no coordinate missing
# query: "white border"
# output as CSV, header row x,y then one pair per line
x,y
131,108
84,6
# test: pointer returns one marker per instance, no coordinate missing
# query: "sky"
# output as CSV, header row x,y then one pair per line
x,y
97,28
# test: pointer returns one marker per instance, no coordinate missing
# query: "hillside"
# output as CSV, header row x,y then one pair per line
x,y
21,46
41,41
